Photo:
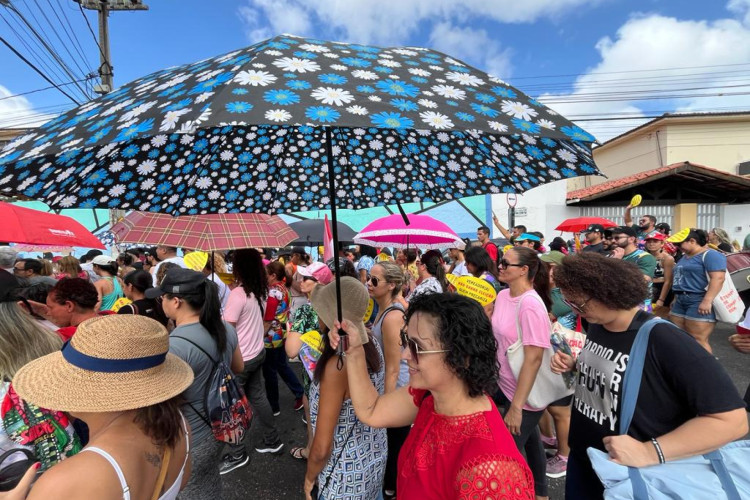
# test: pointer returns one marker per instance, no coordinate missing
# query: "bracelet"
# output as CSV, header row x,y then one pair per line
x,y
658,450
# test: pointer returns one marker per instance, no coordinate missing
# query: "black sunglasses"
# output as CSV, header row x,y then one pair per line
x,y
374,280
414,349
504,263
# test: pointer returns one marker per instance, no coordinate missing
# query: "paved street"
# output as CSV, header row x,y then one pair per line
x,y
276,477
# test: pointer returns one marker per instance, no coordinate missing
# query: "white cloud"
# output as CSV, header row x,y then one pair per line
x,y
654,42
281,16
470,45
18,112
741,8
391,22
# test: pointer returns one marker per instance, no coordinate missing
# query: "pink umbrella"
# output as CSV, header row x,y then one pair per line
x,y
207,233
423,231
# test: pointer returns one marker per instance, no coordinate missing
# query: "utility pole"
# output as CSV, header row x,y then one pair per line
x,y
103,7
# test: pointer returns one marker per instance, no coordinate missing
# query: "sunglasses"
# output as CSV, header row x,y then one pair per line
x,y
505,264
578,308
374,280
414,348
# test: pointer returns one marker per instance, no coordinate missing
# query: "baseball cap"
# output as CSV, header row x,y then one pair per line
x,y
595,228
554,257
663,226
317,270
656,235
625,230
178,281
103,260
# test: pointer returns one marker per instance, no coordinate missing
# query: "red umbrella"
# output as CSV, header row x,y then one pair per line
x,y
578,224
206,233
34,227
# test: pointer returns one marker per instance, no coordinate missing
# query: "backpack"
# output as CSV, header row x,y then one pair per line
x,y
228,413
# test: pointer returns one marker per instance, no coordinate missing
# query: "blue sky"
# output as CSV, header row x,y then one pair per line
x,y
515,40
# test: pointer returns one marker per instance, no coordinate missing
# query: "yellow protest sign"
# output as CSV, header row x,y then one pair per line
x,y
370,312
451,278
196,260
227,278
637,199
476,288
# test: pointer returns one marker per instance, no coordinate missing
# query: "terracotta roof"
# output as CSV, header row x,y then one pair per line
x,y
613,186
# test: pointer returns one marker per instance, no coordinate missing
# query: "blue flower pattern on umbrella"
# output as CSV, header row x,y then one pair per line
x,y
198,138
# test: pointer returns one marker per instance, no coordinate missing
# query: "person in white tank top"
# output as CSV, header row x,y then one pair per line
x,y
117,376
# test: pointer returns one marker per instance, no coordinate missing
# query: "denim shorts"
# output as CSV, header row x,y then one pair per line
x,y
686,306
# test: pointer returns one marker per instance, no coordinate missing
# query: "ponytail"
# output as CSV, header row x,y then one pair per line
x,y
538,273
208,305
433,261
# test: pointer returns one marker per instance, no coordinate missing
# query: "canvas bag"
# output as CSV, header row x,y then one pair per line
x,y
548,386
723,474
228,412
728,305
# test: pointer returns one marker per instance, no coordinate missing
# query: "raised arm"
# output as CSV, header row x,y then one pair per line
x,y
395,409
496,221
628,217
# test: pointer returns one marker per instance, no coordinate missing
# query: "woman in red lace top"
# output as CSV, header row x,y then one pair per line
x,y
459,447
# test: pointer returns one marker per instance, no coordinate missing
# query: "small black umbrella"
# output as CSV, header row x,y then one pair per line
x,y
310,232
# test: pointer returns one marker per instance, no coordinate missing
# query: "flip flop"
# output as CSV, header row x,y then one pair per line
x,y
296,452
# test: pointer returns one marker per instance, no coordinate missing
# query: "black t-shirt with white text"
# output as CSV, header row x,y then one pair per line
x,y
680,381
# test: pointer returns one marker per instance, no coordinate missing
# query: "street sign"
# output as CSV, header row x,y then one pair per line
x,y
521,212
511,199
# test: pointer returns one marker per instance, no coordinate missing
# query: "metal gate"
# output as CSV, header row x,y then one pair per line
x,y
663,213
708,216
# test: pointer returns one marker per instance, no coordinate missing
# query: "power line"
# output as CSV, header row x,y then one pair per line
x,y
55,55
11,96
57,34
91,30
37,70
69,32
32,51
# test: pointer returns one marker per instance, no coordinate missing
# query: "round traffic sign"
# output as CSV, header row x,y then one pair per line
x,y
511,199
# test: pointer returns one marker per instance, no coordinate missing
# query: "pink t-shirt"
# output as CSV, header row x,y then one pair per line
x,y
535,327
245,311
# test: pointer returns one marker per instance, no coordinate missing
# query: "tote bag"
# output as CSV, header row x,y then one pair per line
x,y
728,305
723,474
548,386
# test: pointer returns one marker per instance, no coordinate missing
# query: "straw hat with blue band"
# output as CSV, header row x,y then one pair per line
x,y
113,363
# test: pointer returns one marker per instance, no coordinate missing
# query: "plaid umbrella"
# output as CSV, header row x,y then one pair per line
x,y
207,233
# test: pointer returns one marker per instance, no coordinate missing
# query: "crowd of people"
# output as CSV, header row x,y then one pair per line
x,y
115,357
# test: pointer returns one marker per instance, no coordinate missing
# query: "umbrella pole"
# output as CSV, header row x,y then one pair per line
x,y
344,342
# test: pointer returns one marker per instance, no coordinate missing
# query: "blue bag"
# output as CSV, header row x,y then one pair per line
x,y
721,474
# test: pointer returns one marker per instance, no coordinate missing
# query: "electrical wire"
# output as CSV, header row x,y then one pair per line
x,y
5,42
46,45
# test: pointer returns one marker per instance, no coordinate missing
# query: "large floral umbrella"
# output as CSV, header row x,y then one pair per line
x,y
247,131
293,124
